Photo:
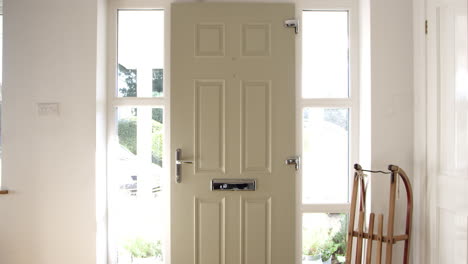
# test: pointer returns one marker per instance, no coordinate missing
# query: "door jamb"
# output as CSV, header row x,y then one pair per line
x,y
420,230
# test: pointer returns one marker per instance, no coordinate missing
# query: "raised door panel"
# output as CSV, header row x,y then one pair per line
x,y
210,231
256,231
209,126
255,126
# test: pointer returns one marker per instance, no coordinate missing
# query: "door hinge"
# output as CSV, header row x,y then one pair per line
x,y
292,23
426,27
296,161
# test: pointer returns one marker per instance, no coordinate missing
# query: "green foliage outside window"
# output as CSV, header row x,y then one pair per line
x,y
129,77
327,242
127,131
157,82
157,143
140,248
127,127
128,82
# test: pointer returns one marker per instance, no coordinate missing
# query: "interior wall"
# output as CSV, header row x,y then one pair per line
x,y
51,162
391,68
51,49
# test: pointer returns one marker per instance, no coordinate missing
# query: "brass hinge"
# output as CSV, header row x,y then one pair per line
x,y
426,27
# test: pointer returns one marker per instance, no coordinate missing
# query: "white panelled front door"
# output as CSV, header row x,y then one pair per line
x,y
233,117
448,130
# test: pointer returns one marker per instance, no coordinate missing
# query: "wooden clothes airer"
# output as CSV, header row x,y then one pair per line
x,y
390,239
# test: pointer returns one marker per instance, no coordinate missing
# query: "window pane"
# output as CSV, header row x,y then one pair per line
x,y
325,61
137,212
140,53
324,238
325,150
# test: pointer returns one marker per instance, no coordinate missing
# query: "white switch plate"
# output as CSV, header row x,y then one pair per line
x,y
48,109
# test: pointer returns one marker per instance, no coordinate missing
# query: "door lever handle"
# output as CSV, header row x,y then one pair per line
x,y
179,162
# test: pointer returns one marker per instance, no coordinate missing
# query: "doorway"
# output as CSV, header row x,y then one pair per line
x,y
236,114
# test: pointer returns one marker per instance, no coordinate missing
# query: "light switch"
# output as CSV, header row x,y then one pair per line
x,y
48,109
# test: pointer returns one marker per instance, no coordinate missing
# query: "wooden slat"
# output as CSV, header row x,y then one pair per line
x,y
409,214
384,238
3,191
352,213
362,203
359,239
379,239
370,241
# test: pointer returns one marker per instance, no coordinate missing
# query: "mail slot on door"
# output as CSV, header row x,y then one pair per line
x,y
233,185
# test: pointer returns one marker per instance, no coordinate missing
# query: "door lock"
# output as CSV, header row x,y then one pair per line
x,y
296,161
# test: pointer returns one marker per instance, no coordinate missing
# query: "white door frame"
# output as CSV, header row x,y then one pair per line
x,y
353,103
420,244
113,101
350,5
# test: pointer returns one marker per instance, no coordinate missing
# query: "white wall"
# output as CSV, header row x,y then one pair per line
x,y
391,78
51,163
50,49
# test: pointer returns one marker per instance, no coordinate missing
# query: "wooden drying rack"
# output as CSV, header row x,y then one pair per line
x,y
390,239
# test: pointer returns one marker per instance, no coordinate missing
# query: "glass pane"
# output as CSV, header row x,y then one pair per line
x,y
140,53
137,207
324,238
325,150
325,47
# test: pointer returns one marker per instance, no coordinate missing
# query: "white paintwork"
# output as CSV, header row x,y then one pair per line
x,y
420,232
78,233
391,100
353,103
447,130
52,166
114,101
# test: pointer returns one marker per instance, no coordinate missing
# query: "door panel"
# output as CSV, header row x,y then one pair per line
x,y
209,126
255,125
256,231
448,130
210,226
233,113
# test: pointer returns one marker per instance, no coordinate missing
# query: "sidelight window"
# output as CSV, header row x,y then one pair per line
x,y
137,175
328,125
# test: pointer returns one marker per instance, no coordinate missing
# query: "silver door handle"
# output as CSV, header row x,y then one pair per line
x,y
179,162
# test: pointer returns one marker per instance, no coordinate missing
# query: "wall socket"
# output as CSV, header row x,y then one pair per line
x,y
48,109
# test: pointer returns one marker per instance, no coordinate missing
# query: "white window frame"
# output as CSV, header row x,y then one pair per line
x,y
1,100
155,102
352,103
